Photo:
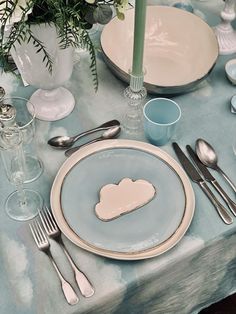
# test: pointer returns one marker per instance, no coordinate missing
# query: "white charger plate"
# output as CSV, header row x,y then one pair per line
x,y
146,232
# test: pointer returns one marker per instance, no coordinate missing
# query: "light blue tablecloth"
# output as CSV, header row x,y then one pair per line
x,y
198,271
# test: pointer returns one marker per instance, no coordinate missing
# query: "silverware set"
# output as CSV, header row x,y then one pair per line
x,y
43,244
205,157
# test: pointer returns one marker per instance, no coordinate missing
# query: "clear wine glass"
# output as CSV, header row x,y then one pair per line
x,y
24,118
22,204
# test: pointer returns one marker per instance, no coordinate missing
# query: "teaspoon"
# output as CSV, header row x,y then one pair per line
x,y
68,141
110,133
208,157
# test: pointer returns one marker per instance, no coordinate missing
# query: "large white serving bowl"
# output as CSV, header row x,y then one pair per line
x,y
180,49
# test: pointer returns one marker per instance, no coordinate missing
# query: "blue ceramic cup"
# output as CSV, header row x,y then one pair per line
x,y
160,118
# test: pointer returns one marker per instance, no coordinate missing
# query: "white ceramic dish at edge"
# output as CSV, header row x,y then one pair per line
x,y
230,69
145,233
180,49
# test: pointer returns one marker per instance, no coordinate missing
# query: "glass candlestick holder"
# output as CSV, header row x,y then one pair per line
x,y
135,94
225,33
22,204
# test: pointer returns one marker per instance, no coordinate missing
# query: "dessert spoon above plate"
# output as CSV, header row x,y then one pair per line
x,y
107,134
68,141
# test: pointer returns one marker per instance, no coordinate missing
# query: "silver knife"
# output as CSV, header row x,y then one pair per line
x,y
195,176
208,177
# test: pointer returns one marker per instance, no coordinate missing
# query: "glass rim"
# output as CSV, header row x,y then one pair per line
x,y
162,124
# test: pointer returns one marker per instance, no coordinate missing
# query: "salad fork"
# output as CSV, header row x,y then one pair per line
x,y
54,232
44,246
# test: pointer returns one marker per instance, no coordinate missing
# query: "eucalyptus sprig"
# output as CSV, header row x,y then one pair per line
x,y
72,18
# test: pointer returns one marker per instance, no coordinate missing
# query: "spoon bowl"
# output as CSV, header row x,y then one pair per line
x,y
61,141
206,153
208,157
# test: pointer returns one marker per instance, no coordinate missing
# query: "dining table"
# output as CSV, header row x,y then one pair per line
x,y
198,271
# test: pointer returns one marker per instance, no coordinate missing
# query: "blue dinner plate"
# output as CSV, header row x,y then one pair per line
x,y
145,232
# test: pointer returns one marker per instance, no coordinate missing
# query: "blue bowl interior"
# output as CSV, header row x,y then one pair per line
x,y
162,111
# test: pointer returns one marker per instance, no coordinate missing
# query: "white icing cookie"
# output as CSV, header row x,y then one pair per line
x,y
122,198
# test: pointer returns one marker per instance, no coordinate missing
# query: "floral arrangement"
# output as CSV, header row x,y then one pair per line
x,y
72,18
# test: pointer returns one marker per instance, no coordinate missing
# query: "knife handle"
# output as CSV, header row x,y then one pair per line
x,y
226,198
220,209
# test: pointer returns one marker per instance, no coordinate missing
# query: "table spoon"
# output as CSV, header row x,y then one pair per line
x,y
68,141
110,133
208,157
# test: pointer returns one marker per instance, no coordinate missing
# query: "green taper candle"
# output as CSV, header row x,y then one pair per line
x,y
139,34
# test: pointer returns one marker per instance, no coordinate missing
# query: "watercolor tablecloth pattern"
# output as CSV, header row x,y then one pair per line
x,y
200,270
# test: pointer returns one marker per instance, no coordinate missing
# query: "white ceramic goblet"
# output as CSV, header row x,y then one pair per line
x,y
51,101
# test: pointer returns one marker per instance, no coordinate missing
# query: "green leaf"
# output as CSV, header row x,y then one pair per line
x,y
102,14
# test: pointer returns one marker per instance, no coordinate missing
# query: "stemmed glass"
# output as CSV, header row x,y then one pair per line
x,y
21,112
22,204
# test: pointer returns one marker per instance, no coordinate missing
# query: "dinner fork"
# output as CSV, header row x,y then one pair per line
x,y
54,232
44,246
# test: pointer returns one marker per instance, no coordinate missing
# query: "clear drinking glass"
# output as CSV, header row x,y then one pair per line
x,y
22,204
25,120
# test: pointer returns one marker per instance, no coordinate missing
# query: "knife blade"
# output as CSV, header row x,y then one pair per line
x,y
202,168
187,165
195,176
209,177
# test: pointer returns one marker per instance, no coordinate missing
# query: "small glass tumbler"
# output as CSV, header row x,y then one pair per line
x,y
161,116
22,204
24,118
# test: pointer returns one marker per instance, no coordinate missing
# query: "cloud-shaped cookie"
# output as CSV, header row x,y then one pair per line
x,y
122,198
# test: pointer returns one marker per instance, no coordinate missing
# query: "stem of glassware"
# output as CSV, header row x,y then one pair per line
x,y
18,176
21,195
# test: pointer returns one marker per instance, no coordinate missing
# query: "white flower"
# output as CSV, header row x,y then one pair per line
x,y
121,6
90,1
17,14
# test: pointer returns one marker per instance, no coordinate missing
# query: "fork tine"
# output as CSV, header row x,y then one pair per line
x,y
44,220
37,232
41,232
52,219
32,229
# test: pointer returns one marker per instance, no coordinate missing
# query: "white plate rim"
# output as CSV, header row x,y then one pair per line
x,y
55,199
